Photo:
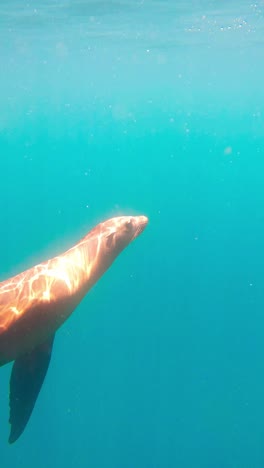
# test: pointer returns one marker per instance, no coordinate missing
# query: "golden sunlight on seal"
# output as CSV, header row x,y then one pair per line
x,y
35,303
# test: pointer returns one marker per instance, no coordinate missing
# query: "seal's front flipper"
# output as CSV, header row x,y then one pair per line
x,y
27,377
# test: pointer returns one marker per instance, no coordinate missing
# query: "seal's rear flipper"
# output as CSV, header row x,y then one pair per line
x,y
27,377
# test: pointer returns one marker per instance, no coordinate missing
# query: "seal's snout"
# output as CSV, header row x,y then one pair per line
x,y
140,223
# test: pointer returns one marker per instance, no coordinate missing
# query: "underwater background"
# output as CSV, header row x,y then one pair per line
x,y
140,107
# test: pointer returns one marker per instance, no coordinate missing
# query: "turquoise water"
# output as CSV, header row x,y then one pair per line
x,y
154,108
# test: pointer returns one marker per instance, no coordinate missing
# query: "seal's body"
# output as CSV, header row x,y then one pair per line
x,y
35,303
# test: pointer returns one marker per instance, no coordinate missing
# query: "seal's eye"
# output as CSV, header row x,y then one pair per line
x,y
128,224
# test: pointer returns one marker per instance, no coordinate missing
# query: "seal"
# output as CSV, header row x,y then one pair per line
x,y
36,302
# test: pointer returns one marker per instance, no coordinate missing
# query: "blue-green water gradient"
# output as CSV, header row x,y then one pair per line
x,y
151,108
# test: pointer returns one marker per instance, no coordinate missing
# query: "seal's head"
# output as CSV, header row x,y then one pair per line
x,y
118,232
107,240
